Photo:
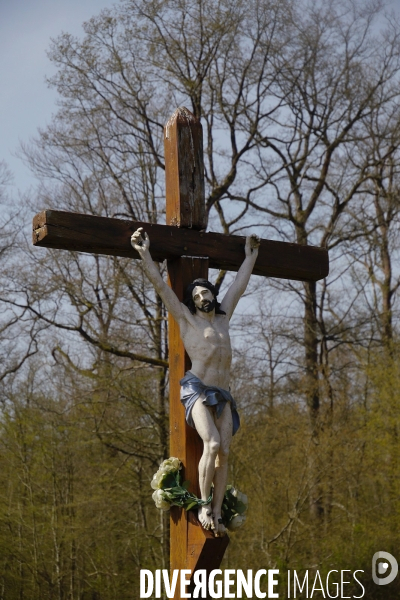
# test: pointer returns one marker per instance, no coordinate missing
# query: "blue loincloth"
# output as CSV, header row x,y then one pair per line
x,y
191,390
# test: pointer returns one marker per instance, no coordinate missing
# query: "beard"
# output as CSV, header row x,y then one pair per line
x,y
208,306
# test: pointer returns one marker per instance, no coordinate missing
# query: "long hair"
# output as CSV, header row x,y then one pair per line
x,y
188,299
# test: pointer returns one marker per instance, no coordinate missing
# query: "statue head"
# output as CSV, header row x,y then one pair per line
x,y
202,302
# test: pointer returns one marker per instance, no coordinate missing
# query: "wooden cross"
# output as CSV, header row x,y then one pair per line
x,y
189,251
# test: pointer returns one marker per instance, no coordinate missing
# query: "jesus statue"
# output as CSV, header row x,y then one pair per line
x,y
209,406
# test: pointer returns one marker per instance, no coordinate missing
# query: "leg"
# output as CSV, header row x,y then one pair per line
x,y
224,426
205,427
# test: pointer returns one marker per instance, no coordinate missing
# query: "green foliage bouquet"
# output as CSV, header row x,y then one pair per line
x,y
234,507
169,491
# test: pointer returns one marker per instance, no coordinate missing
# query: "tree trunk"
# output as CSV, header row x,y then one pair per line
x,y
312,394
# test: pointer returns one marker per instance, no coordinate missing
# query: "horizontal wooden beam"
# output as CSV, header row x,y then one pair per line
x,y
102,235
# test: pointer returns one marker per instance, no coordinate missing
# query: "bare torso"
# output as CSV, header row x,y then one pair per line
x,y
208,345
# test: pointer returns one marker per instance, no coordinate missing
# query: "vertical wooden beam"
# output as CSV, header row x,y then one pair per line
x,y
191,546
184,171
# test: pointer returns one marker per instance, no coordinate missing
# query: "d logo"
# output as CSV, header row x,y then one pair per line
x,y
385,559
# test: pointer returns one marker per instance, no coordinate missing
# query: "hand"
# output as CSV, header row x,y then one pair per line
x,y
141,245
252,244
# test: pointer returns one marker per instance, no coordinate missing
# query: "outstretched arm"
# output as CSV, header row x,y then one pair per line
x,y
239,285
163,290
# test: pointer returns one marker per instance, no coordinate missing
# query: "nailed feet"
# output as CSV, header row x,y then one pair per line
x,y
211,521
206,517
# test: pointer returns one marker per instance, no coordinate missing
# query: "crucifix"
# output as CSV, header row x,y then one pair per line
x,y
189,252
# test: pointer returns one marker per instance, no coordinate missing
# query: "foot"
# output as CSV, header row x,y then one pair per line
x,y
219,527
206,517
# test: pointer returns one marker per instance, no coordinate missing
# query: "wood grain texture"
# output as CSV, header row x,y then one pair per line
x,y
102,235
184,171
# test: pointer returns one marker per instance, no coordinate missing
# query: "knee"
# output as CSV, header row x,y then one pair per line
x,y
212,447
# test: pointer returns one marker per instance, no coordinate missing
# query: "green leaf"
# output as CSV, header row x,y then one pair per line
x,y
168,481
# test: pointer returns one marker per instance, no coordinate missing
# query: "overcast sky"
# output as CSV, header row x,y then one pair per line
x,y
26,103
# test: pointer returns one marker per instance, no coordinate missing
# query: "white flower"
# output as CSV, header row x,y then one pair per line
x,y
156,482
160,501
236,522
242,498
170,465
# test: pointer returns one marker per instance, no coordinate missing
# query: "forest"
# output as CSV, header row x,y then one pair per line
x,y
300,107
